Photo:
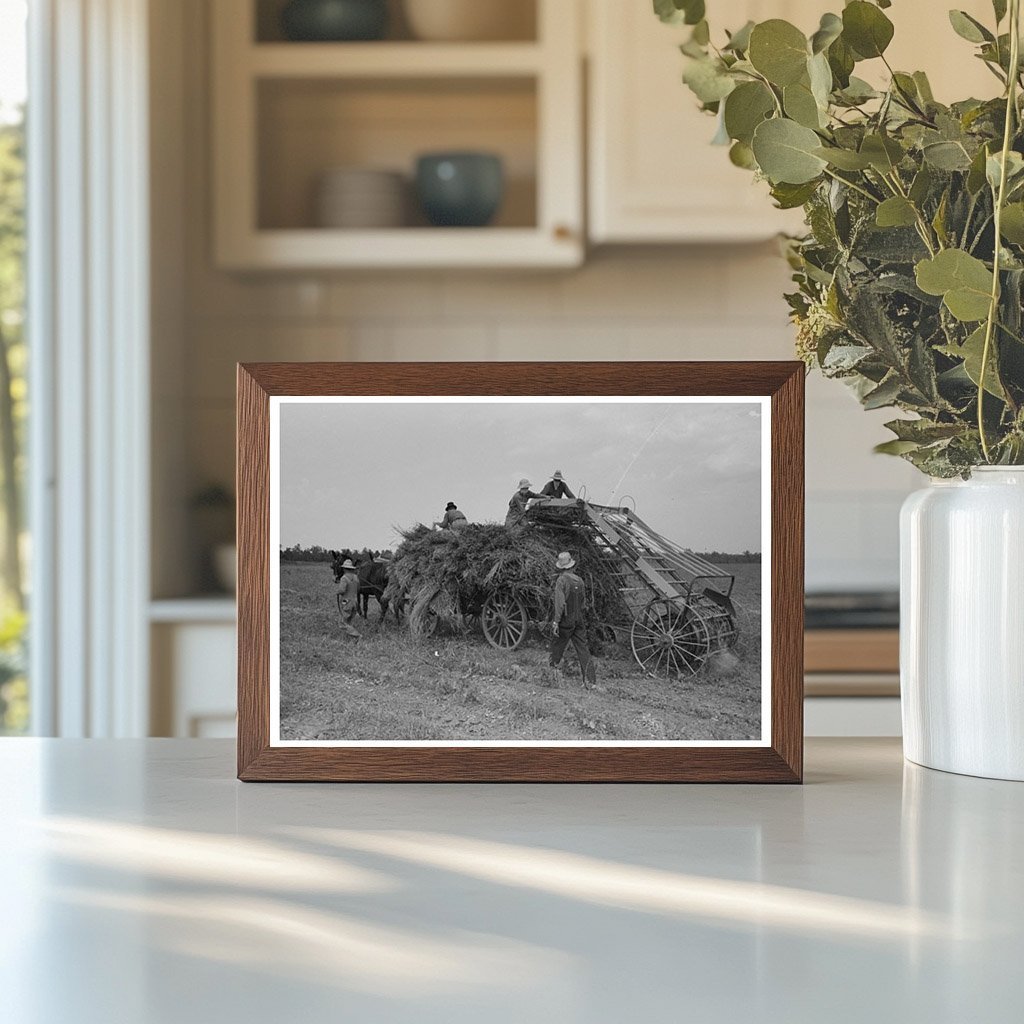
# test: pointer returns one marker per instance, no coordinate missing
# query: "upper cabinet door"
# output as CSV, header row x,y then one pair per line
x,y
654,175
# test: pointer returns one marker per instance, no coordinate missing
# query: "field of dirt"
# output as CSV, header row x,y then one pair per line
x,y
390,685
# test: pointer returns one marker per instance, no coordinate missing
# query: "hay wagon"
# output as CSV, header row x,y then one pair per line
x,y
675,607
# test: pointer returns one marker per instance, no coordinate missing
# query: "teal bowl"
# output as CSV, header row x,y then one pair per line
x,y
460,190
334,21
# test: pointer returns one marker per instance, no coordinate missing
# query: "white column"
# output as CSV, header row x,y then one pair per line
x,y
89,335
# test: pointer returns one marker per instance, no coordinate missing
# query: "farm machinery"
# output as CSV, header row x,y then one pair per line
x,y
675,607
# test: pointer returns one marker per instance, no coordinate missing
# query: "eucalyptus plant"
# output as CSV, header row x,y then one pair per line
x,y
909,280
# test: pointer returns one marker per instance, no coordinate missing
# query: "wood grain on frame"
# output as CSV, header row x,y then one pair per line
x,y
782,761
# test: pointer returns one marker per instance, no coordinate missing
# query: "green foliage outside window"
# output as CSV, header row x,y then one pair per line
x,y
13,413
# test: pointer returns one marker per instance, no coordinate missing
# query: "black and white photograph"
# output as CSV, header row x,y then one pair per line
x,y
517,571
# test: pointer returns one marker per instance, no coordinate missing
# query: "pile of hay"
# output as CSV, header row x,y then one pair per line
x,y
452,573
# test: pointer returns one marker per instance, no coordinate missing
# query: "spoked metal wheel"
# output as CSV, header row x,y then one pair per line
x,y
670,640
505,621
720,622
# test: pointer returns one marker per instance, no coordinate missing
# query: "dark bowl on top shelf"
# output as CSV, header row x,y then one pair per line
x,y
461,190
334,21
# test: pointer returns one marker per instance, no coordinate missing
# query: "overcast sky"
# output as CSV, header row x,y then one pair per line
x,y
350,473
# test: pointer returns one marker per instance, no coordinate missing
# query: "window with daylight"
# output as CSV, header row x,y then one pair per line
x,y
14,546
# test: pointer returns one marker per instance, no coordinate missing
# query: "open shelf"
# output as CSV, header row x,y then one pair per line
x,y
520,16
393,60
308,127
286,114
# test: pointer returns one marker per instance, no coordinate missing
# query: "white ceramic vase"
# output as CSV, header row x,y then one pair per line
x,y
962,624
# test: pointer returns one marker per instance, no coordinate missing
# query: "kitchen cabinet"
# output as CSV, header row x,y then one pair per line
x,y
653,175
193,672
287,113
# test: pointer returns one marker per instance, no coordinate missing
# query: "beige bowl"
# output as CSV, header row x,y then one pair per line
x,y
356,197
471,20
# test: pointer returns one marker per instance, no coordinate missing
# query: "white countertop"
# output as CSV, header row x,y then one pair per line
x,y
143,885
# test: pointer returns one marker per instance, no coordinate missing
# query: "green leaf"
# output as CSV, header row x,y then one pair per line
x,y
947,156
778,50
745,108
1012,225
858,91
896,212
921,185
785,152
939,220
741,155
1014,169
820,77
971,352
969,28
841,60
963,281
789,197
907,93
884,395
895,447
844,159
676,12
708,80
923,431
829,30
739,41
999,7
701,33
976,174
924,87
866,29
800,105
883,153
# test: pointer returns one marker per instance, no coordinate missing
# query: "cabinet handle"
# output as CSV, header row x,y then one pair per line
x,y
563,232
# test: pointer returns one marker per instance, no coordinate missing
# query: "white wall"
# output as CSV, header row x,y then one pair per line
x,y
657,303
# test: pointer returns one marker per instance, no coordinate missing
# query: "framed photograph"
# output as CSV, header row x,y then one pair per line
x,y
520,572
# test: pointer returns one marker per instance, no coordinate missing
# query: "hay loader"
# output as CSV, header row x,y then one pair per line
x,y
675,606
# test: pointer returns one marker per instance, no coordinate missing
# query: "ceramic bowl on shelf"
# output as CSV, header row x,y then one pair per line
x,y
470,20
460,189
332,21
361,198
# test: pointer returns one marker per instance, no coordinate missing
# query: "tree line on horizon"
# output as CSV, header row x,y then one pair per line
x,y
316,553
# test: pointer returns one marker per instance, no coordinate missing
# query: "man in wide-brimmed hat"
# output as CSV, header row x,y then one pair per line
x,y
568,619
519,502
348,596
452,519
556,487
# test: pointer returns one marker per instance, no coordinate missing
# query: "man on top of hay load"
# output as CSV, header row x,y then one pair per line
x,y
348,596
568,620
452,519
556,487
519,502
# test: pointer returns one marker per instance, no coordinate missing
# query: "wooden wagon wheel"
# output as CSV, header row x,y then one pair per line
x,y
505,621
670,639
427,626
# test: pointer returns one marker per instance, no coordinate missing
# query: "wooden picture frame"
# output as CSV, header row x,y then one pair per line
x,y
779,759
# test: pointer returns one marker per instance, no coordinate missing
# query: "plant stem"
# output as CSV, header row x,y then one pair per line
x,y
856,188
923,228
993,309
